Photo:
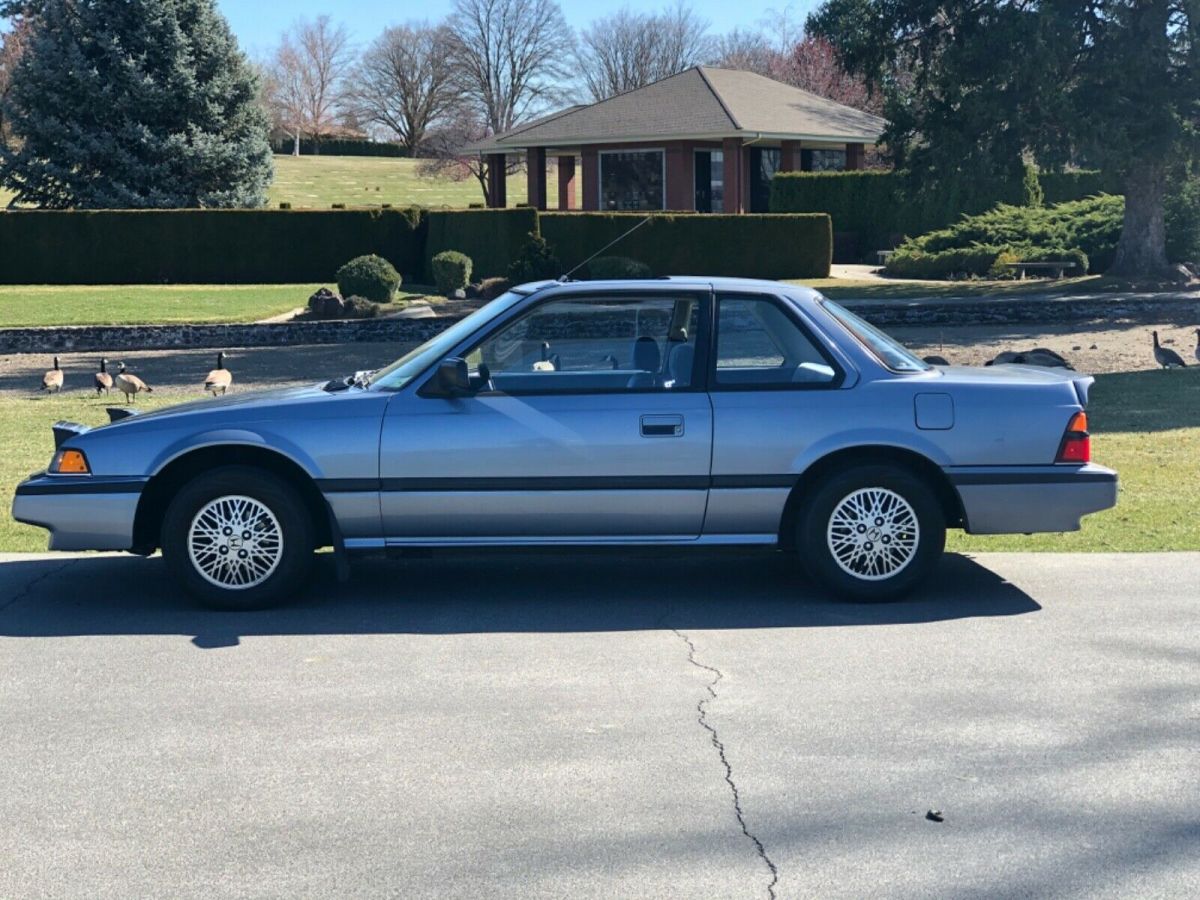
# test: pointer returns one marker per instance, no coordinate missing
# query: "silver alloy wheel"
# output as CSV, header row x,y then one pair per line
x,y
873,533
235,542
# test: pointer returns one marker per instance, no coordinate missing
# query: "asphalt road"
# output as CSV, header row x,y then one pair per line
x,y
603,725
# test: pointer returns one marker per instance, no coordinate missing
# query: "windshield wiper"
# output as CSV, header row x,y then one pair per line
x,y
360,379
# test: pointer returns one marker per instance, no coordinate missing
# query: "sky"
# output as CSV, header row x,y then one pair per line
x,y
258,24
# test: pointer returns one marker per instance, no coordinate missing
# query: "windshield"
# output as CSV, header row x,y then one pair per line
x,y
437,348
891,354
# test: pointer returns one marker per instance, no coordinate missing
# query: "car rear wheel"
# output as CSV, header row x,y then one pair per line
x,y
872,533
238,538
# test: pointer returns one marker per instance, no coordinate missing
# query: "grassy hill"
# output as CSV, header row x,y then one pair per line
x,y
320,181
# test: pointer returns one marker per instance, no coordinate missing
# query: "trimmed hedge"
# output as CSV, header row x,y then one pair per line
x,y
200,246
491,237
340,147
751,246
1063,187
604,268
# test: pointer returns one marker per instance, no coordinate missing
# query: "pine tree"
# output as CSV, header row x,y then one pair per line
x,y
135,104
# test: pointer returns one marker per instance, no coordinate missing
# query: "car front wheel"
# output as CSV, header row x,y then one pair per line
x,y
238,538
872,532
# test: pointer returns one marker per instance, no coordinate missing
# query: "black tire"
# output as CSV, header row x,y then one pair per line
x,y
913,552
292,560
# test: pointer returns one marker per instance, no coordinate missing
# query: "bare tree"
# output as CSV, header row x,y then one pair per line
x,y
747,50
307,78
629,50
404,82
511,57
812,64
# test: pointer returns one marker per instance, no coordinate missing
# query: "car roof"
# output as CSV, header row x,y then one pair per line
x,y
718,283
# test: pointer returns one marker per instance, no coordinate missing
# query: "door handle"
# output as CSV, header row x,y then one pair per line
x,y
662,426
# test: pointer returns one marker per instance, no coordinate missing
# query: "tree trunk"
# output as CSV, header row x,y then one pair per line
x,y
296,143
1142,249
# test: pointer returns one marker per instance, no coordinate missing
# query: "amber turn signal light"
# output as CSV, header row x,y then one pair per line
x,y
69,462
1076,446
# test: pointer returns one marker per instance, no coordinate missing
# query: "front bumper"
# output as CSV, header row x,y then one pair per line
x,y
1028,499
81,512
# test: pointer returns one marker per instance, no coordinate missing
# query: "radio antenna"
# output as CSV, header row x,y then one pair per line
x,y
617,240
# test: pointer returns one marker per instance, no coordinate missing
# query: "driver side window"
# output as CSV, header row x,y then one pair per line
x,y
587,344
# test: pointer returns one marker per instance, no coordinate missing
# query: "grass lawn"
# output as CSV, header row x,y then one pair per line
x,y
1145,424
146,304
149,304
321,181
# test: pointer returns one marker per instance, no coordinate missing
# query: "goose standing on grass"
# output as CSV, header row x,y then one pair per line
x,y
129,385
1165,356
220,378
52,381
104,381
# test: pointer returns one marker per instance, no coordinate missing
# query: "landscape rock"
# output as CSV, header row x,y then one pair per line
x,y
326,304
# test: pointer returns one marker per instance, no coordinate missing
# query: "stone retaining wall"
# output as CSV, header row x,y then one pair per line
x,y
104,338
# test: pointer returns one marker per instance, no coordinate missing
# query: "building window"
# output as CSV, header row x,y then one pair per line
x,y
631,180
764,163
823,160
710,181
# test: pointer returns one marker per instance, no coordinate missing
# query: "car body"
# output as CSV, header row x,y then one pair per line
x,y
679,411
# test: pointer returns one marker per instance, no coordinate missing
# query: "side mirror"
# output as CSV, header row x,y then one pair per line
x,y
452,378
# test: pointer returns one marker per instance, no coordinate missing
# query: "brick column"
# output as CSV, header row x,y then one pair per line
x,y
535,160
590,165
787,155
566,182
731,150
854,157
681,178
497,182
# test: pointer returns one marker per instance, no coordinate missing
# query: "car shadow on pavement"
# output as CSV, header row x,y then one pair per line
x,y
474,592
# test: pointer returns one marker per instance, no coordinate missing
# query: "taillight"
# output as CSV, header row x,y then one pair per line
x,y
1076,446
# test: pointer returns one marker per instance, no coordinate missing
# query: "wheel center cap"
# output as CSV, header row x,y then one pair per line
x,y
874,534
235,542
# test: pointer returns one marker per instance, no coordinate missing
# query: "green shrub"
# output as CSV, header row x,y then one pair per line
x,y
372,277
751,246
880,208
537,261
610,267
1085,231
360,308
491,237
451,271
200,246
1183,219
956,262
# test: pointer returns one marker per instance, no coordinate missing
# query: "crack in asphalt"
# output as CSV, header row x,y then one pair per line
x,y
34,582
719,746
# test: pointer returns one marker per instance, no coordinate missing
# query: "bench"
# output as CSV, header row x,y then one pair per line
x,y
883,256
1055,268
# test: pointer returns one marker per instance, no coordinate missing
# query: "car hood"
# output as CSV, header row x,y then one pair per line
x,y
242,406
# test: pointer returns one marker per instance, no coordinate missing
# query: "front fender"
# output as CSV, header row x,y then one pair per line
x,y
264,438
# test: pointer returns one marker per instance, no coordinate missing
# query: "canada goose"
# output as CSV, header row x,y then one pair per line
x,y
129,385
104,381
220,378
52,381
1198,345
1166,357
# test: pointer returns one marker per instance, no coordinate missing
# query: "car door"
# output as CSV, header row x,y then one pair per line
x,y
774,388
588,425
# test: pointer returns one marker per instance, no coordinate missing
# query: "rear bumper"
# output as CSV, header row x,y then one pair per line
x,y
1028,499
80,512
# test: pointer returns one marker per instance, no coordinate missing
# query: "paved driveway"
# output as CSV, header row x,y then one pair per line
x,y
604,725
